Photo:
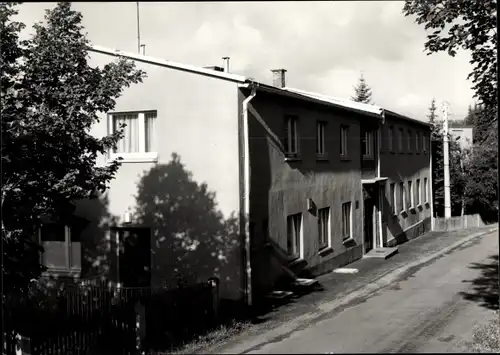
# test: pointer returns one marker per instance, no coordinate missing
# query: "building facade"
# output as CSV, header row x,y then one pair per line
x,y
222,176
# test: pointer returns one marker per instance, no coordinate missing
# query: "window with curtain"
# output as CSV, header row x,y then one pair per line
x,y
130,140
139,132
150,128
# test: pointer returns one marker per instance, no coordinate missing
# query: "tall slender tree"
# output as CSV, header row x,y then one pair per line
x,y
363,93
432,111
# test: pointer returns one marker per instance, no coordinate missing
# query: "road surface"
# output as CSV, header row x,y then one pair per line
x,y
431,309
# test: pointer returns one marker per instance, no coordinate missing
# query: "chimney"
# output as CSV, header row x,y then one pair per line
x,y
226,64
279,77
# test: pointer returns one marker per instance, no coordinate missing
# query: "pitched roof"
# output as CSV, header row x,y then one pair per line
x,y
371,110
168,64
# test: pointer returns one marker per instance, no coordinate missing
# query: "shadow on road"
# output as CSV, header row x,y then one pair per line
x,y
485,288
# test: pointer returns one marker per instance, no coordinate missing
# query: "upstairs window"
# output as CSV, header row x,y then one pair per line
x,y
291,136
139,135
320,138
400,140
367,145
417,142
408,141
390,139
344,134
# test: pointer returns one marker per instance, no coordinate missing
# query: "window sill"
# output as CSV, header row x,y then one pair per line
x,y
348,241
151,157
322,157
295,157
293,261
345,158
74,271
392,152
326,250
368,157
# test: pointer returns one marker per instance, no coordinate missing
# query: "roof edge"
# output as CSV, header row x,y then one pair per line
x,y
406,118
167,63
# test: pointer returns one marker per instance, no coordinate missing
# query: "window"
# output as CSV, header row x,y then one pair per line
x,y
400,140
346,220
291,137
425,143
367,145
324,227
426,190
294,232
393,198
62,248
320,138
410,192
344,133
417,142
139,135
390,139
402,196
419,193
408,141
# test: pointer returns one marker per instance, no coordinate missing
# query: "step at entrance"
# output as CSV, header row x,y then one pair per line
x,y
304,282
382,253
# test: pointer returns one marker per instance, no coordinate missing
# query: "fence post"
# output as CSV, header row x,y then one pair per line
x,y
140,326
214,281
25,345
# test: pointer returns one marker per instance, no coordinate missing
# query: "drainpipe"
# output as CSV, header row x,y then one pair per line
x,y
380,197
246,193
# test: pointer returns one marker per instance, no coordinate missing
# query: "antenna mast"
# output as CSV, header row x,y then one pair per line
x,y
138,31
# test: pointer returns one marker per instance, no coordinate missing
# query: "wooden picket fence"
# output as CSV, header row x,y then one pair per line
x,y
106,319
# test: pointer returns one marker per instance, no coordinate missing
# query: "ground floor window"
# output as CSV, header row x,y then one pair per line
x,y
62,247
324,227
294,235
346,220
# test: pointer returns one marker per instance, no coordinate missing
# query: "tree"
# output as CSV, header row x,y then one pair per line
x,y
51,97
363,93
471,25
432,111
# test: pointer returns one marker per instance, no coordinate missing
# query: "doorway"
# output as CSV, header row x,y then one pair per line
x,y
369,215
135,257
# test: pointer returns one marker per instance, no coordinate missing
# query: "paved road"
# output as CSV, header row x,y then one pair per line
x,y
431,309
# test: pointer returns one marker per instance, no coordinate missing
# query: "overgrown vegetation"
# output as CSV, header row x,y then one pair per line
x,y
50,98
486,337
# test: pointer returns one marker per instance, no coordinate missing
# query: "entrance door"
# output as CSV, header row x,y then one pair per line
x,y
135,257
369,204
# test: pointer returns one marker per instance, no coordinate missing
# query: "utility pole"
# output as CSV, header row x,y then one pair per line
x,y
446,161
138,31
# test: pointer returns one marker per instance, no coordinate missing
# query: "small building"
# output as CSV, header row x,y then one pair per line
x,y
462,133
224,176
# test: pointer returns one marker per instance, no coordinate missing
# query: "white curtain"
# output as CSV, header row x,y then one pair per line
x,y
130,141
150,127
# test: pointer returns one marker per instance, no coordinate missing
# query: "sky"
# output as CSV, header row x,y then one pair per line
x,y
324,46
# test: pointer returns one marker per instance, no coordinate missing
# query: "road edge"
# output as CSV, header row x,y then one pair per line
x,y
350,298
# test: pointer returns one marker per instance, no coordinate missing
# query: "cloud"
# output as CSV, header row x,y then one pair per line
x,y
323,45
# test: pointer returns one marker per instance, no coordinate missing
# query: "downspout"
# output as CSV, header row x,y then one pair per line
x,y
246,193
380,197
